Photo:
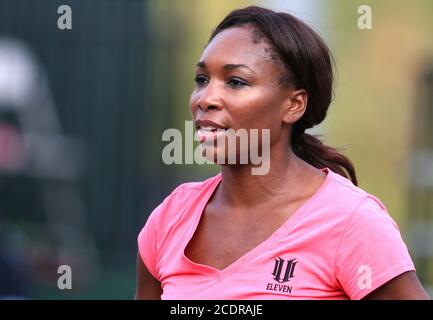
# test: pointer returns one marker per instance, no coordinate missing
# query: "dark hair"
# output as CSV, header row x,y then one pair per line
x,y
308,64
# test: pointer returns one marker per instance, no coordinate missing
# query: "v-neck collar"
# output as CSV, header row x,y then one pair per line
x,y
249,256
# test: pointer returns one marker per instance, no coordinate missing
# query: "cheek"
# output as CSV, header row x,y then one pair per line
x,y
258,110
193,103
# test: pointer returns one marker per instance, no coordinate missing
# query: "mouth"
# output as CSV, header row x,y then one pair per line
x,y
208,130
208,134
209,125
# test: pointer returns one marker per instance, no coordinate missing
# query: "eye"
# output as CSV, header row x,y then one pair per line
x,y
237,83
201,80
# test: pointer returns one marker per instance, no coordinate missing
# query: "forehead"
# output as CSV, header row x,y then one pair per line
x,y
236,45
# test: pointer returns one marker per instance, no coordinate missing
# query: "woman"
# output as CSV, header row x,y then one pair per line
x,y
301,231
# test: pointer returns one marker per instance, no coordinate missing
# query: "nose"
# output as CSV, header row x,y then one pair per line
x,y
210,98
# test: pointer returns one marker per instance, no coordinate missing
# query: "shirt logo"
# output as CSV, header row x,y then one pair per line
x,y
288,270
283,272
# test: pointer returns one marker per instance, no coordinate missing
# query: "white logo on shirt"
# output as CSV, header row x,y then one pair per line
x,y
364,281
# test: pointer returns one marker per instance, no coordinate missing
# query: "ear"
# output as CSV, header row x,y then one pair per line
x,y
295,106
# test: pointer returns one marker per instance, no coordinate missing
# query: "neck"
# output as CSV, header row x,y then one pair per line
x,y
241,189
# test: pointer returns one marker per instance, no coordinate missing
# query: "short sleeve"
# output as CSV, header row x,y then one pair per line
x,y
147,242
371,251
154,234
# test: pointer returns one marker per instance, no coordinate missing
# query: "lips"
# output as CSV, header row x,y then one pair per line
x,y
208,130
209,134
209,125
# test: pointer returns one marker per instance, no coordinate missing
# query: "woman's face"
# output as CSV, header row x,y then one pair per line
x,y
238,87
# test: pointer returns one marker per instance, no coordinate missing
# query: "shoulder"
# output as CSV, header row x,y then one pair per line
x,y
170,210
347,207
366,222
190,191
370,245
343,192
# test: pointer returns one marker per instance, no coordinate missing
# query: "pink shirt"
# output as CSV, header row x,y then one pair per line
x,y
340,244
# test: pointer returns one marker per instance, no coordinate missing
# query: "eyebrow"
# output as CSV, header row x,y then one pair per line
x,y
231,66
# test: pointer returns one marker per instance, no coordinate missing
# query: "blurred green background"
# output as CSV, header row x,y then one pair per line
x,y
82,112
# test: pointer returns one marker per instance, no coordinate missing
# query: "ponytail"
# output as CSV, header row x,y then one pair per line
x,y
312,150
